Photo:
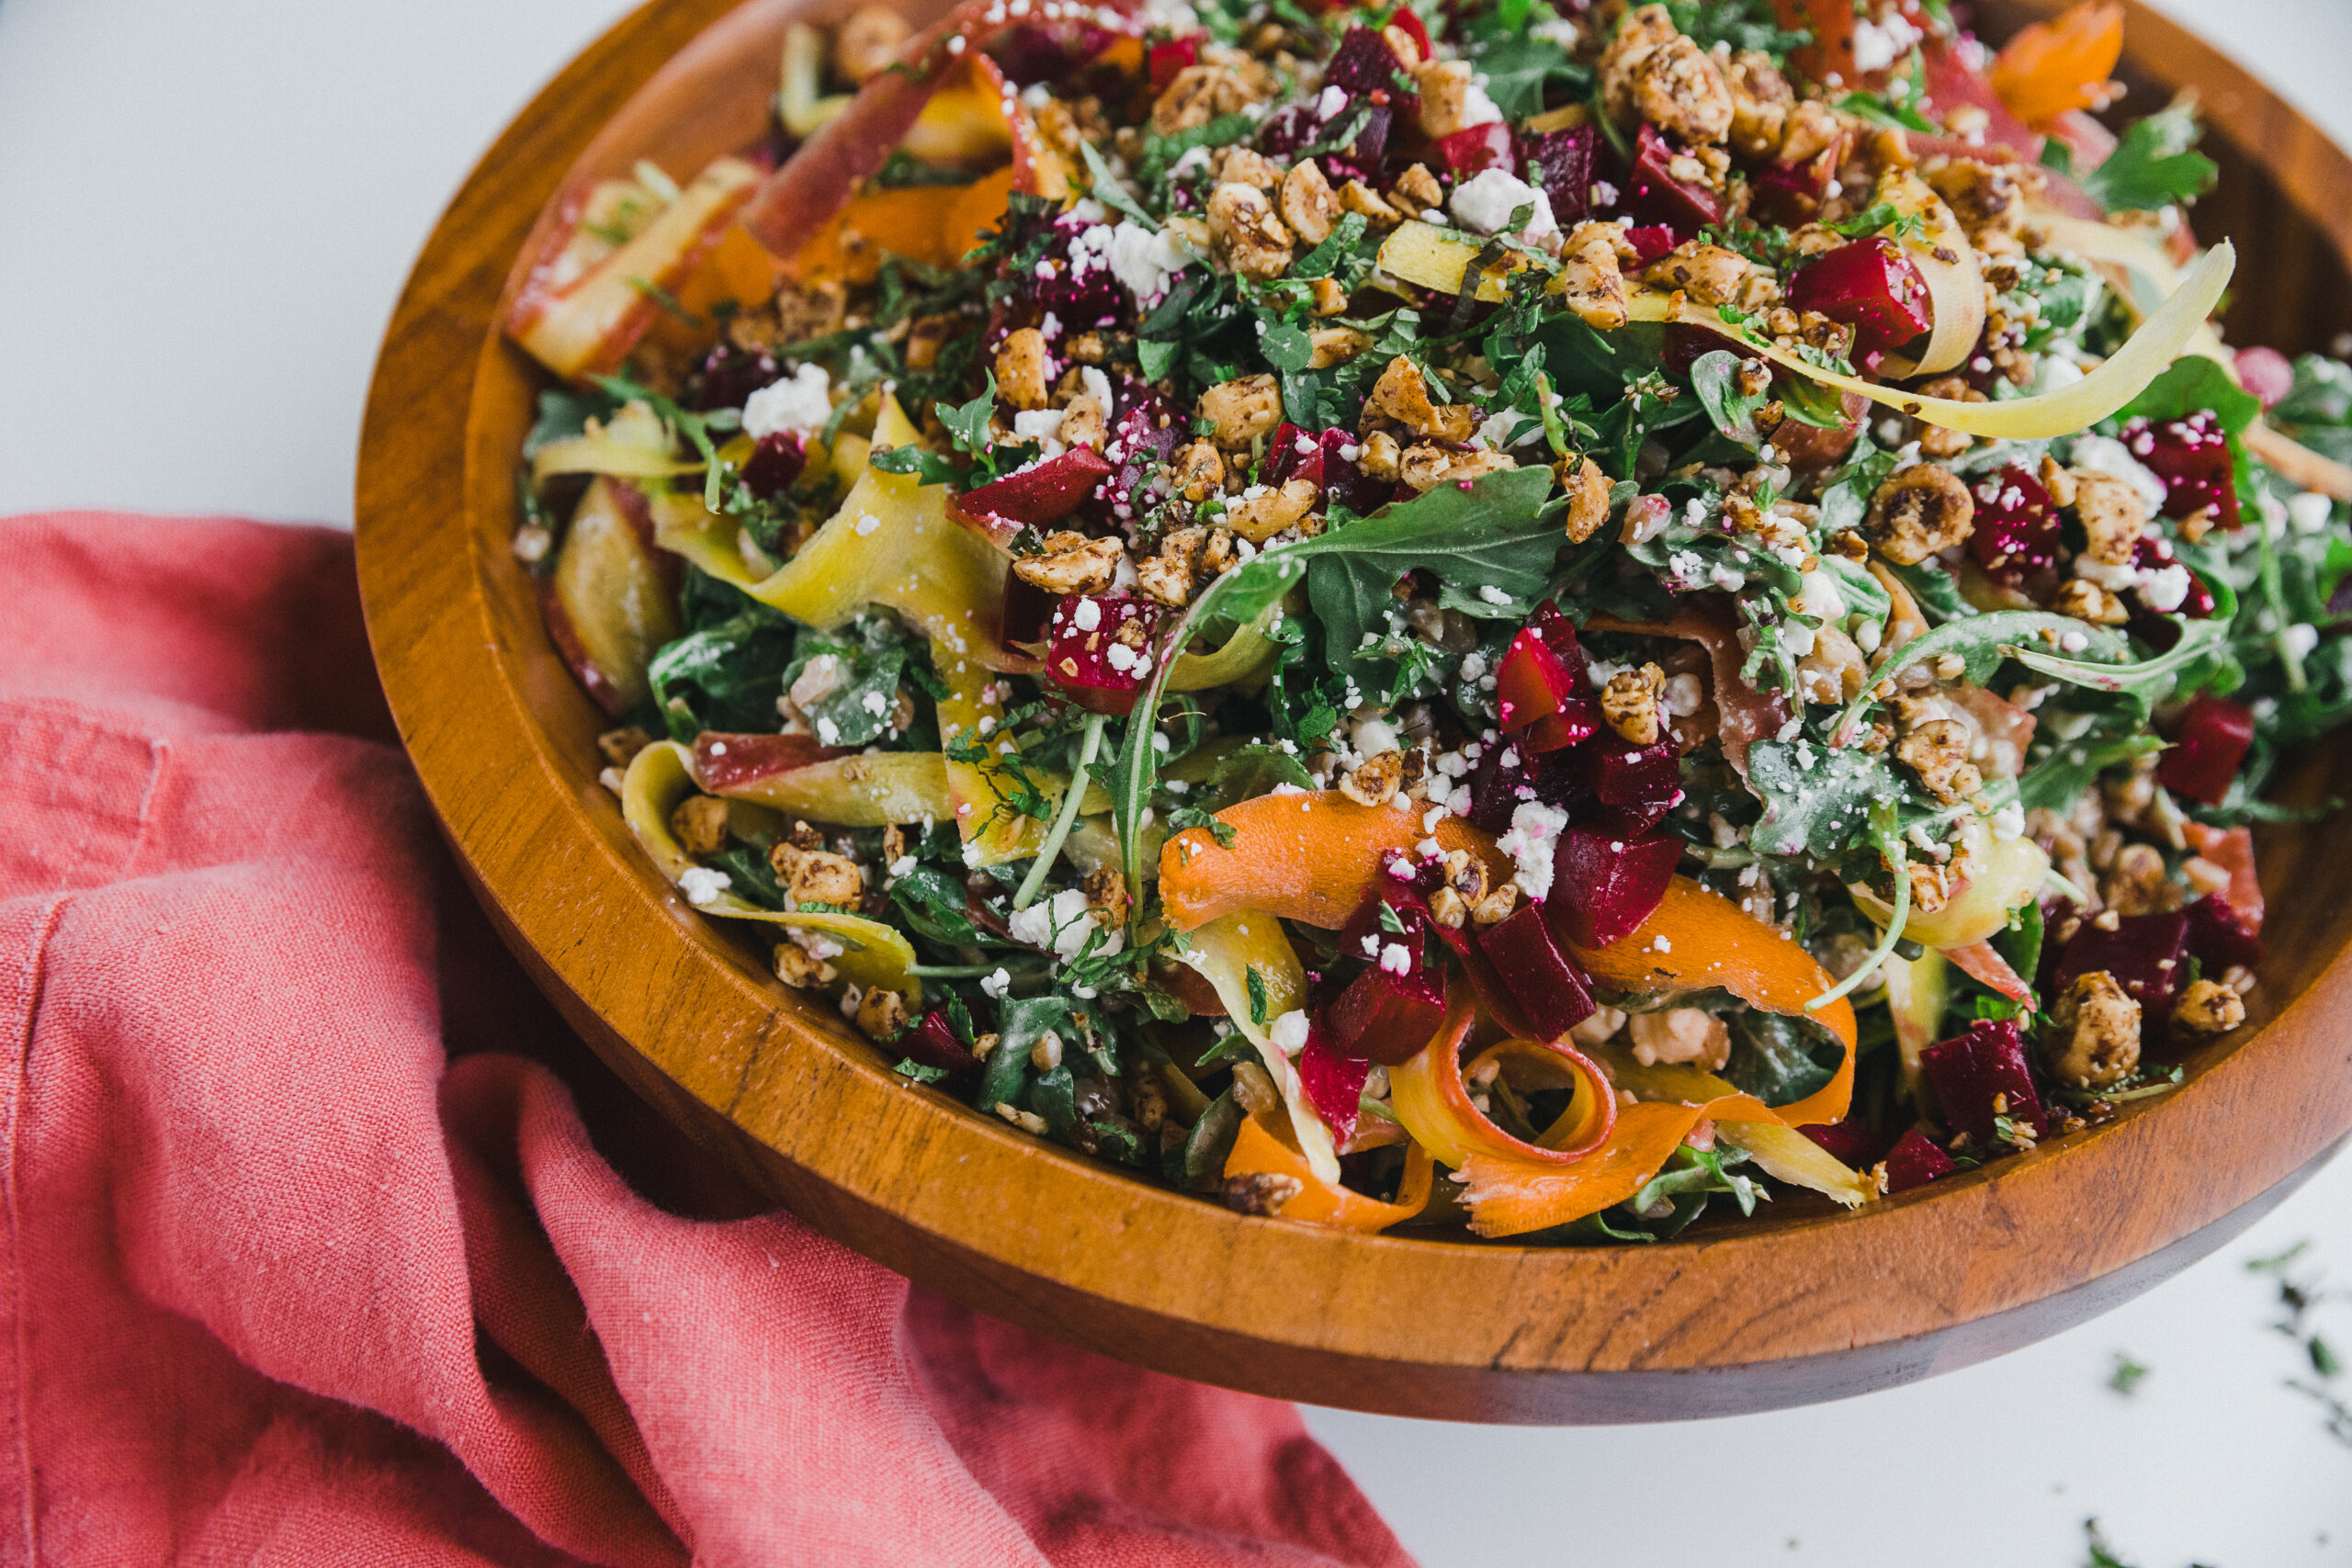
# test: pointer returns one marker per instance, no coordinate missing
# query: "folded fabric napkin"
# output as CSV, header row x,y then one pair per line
x,y
311,1257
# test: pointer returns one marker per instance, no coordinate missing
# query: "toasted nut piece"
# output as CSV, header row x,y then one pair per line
x,y
1591,279
800,969
817,876
1254,1091
1835,672
1404,45
1334,345
1253,241
1814,129
1930,885
2208,1006
620,747
1760,101
1219,555
1417,190
1919,511
1260,1193
1680,1034
1678,87
2091,1039
1445,87
2058,481
1587,492
1402,394
1071,563
1106,895
983,1044
882,1015
1938,752
867,44
699,824
2086,601
1935,440
1263,512
1199,94
1021,369
1046,1052
1244,167
1242,410
2114,515
1357,196
1028,1121
2137,885
1496,905
1378,457
1629,702
1466,875
1374,781
1168,576
1309,204
1709,273
1327,297
927,335
1425,468
1448,909
1083,424
1200,471
1987,198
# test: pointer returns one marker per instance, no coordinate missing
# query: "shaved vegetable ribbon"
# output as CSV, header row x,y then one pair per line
x,y
1227,953
2063,412
1258,1151
658,780
1955,279
1431,1097
1311,855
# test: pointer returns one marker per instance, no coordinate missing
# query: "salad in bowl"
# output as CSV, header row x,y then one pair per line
x,y
1487,616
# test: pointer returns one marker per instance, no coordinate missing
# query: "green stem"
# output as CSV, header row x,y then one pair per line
x,y
953,970
1897,861
1050,851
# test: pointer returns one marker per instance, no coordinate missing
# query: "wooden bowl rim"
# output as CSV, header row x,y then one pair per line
x,y
1416,1324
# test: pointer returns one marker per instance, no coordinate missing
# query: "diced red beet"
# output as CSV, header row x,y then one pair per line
x,y
2016,527
1175,55
1559,634
1971,1072
1913,1161
775,464
1411,23
1364,64
1326,465
2221,937
1027,609
727,377
1643,777
933,1043
1553,992
2215,734
1090,660
1852,1141
1651,240
1412,892
1654,196
1334,1083
2142,952
1476,148
1578,721
1531,682
1604,887
1050,51
1563,164
1790,194
2267,373
2192,456
1037,497
1872,287
1383,1015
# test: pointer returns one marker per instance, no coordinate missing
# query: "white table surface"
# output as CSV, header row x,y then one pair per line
x,y
205,212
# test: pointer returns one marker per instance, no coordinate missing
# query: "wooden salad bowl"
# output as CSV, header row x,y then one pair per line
x,y
1806,1304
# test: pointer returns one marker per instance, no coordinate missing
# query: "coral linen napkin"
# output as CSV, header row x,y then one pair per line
x,y
305,1264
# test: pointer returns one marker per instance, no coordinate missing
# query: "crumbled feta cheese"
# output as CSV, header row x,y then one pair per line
x,y
1492,594
2310,511
1534,828
1818,596
802,401
1486,200
2105,455
703,886
2300,640
2164,588
1063,923
1397,959
1477,108
865,525
996,985
1143,261
1289,1032
1878,45
1087,615
1042,425
1331,101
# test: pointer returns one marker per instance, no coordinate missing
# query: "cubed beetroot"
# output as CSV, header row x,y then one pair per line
x,y
775,464
1913,1161
1980,1075
1144,439
1851,1141
1643,782
1409,22
1050,51
1551,990
1476,148
2153,553
1383,1015
2192,456
1099,650
1037,497
727,377
2214,736
1334,1083
1176,55
2016,527
2219,937
1508,774
2144,954
1531,682
932,1043
1364,64
1027,611
1872,287
1564,164
1790,194
1322,460
1578,721
1604,887
1654,196
2267,373
1651,240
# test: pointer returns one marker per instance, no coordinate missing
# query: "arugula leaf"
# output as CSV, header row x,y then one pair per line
x,y
2194,384
1250,771
1105,186
968,425
1257,996
1714,375
724,677
1817,799
1984,642
1778,1059
859,707
564,413
1159,152
1519,69
2153,165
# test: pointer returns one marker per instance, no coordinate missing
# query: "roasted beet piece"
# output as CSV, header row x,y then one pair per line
x,y
1852,1141
2144,953
2192,456
2219,937
726,378
932,1043
1145,436
1914,1162
1542,683
1509,773
1325,464
2215,734
775,464
2016,527
1364,64
1038,497
1383,1015
1790,194
1027,609
1334,1083
1970,1073
1604,887
1641,784
1872,287
1651,240
1176,55
1551,990
1654,196
1099,654
1050,51
1476,148
1564,164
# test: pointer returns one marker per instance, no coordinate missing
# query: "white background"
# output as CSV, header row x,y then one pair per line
x,y
206,213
